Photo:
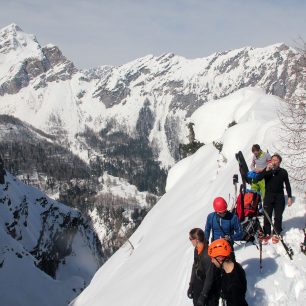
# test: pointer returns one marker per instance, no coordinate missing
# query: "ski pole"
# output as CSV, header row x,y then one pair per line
x,y
288,250
259,230
260,255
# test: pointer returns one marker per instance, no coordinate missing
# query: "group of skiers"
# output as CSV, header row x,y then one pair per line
x,y
215,272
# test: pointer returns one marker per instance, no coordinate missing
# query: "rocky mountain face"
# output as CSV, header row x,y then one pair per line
x,y
46,64
49,238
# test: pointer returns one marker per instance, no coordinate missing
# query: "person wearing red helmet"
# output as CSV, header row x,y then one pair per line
x,y
233,279
223,224
220,205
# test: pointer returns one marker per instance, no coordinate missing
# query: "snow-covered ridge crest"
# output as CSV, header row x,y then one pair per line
x,y
159,266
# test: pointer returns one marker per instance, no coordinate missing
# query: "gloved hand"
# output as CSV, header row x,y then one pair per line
x,y
227,237
190,292
202,300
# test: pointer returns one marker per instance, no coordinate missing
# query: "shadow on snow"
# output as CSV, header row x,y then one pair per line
x,y
257,296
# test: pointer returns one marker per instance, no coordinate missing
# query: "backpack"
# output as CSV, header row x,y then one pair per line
x,y
247,204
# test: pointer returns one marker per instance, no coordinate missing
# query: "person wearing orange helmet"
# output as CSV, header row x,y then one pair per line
x,y
223,224
233,279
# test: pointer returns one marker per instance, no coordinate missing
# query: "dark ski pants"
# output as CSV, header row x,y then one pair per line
x,y
213,295
274,202
213,300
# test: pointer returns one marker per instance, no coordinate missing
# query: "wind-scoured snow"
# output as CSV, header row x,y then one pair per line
x,y
157,270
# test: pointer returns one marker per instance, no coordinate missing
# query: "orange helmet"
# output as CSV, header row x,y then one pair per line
x,y
219,247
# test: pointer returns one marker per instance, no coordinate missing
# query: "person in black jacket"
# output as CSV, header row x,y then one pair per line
x,y
274,200
233,280
204,286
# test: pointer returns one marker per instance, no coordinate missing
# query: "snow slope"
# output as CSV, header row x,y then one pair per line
x,y
157,270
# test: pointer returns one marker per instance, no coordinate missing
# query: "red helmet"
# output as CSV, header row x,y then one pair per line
x,y
219,247
220,205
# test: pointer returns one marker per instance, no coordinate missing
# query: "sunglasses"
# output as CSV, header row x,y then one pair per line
x,y
191,238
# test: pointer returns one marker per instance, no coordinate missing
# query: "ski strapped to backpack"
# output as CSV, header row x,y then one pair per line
x,y
288,249
243,168
235,182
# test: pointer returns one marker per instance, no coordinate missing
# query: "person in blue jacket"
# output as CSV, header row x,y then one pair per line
x,y
223,224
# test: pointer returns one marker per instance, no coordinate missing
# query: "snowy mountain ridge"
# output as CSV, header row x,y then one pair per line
x,y
157,93
157,270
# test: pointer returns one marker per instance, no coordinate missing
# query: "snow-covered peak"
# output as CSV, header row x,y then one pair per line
x,y
15,47
13,36
11,28
22,60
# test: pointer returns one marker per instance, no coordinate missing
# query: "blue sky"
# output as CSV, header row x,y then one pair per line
x,y
101,32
